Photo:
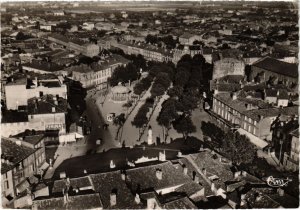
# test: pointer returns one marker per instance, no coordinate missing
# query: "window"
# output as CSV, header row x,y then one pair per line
x,y
6,185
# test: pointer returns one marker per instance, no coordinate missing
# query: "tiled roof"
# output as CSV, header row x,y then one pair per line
x,y
14,153
105,183
240,103
44,66
231,78
82,182
89,201
272,112
139,175
182,203
213,166
186,36
45,105
276,66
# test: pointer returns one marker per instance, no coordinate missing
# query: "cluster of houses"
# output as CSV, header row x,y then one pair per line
x,y
253,103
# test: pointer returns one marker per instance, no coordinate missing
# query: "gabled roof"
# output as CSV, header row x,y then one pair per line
x,y
279,67
13,153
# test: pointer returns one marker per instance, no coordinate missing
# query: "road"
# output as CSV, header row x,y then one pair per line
x,y
97,131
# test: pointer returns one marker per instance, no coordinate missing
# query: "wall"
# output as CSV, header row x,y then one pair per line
x,y
8,129
16,95
9,178
48,121
228,66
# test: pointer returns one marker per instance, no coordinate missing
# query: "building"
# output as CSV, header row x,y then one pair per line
x,y
58,13
186,50
136,188
43,67
149,52
252,116
87,49
228,66
188,39
97,74
19,160
88,26
291,159
20,89
47,112
275,71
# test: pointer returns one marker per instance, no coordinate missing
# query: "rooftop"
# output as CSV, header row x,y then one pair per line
x,y
45,104
88,201
279,67
13,152
14,116
44,66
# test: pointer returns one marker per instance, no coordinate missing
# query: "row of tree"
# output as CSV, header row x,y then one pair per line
x,y
232,145
124,73
141,119
184,96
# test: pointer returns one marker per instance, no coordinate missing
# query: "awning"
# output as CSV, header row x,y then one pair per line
x,y
254,139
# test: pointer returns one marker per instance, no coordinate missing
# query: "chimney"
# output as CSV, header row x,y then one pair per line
x,y
185,170
243,199
212,187
123,175
55,102
159,174
234,96
36,82
53,109
113,199
237,174
137,198
196,179
246,105
204,171
280,191
244,173
18,142
278,93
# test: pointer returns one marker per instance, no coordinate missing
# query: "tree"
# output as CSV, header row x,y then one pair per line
x,y
157,90
238,148
140,118
184,125
119,121
182,78
167,115
175,91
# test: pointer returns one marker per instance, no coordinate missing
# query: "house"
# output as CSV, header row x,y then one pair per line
x,y
47,112
46,27
149,52
137,188
291,158
88,26
279,97
97,74
19,160
188,39
58,13
76,45
20,88
253,116
279,72
42,67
